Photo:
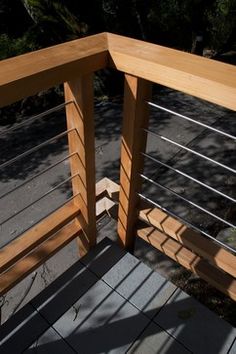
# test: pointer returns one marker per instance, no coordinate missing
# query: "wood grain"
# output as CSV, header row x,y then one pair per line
x,y
80,118
30,73
30,239
32,261
27,74
220,280
133,142
191,239
13,262
107,187
201,77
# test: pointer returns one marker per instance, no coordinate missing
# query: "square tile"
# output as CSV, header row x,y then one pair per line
x,y
199,329
37,281
49,342
103,257
101,322
139,284
21,330
233,348
155,340
63,292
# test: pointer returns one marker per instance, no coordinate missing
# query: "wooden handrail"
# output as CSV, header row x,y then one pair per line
x,y
201,77
27,74
73,64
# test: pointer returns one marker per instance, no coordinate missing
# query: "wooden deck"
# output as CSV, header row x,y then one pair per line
x,y
73,64
110,302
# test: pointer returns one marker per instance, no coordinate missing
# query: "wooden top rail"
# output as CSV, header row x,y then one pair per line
x,y
27,74
201,77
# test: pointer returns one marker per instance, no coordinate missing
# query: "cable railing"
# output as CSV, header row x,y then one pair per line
x,y
40,219
187,200
40,198
32,119
189,177
191,120
30,179
74,65
35,148
12,161
24,252
186,222
192,151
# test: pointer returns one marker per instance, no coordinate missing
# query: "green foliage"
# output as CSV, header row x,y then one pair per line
x,y
28,25
54,19
10,47
169,22
173,21
221,23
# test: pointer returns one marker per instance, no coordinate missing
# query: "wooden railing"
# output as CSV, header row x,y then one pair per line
x,y
73,64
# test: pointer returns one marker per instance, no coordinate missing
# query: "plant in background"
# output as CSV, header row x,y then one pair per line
x,y
222,25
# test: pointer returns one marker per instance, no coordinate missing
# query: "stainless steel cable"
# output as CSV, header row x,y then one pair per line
x,y
190,150
37,116
37,175
35,148
41,219
40,198
187,201
189,177
192,120
186,222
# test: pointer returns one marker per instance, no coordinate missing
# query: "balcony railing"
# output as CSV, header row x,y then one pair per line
x,y
73,64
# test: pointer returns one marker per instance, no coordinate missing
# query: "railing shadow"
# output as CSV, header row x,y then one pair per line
x,y
205,142
108,127
92,316
108,122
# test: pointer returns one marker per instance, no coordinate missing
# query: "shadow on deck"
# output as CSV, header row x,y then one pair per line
x,y
110,302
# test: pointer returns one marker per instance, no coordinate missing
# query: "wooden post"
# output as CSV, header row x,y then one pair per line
x,y
81,141
136,114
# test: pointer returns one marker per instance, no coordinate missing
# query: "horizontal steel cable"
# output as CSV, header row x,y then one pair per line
x,y
36,117
192,120
187,201
186,222
40,198
41,219
189,150
189,177
37,175
35,148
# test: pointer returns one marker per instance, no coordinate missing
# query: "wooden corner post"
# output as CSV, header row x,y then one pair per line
x,y
81,140
136,115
